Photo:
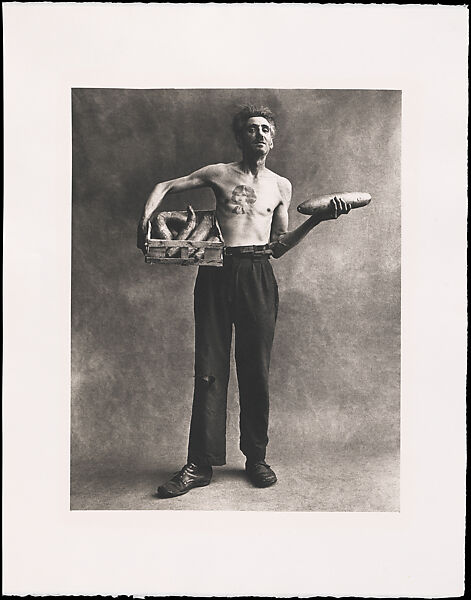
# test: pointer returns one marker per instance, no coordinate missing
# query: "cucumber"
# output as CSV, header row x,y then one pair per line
x,y
319,203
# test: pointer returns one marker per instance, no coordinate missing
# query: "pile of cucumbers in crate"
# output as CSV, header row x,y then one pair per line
x,y
190,227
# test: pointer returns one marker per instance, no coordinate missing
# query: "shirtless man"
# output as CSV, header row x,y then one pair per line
x,y
252,210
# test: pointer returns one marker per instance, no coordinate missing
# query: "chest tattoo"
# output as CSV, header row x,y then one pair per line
x,y
243,196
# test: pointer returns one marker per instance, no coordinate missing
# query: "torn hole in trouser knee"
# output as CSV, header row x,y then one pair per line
x,y
205,380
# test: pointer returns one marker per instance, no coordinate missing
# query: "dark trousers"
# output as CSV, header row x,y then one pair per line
x,y
243,292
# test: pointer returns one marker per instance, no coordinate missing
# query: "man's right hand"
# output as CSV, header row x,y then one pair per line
x,y
141,236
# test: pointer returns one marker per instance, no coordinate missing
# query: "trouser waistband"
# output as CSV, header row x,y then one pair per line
x,y
247,250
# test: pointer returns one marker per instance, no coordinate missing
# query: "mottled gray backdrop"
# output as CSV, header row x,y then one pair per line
x,y
335,373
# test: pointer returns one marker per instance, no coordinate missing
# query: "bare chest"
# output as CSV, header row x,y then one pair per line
x,y
243,195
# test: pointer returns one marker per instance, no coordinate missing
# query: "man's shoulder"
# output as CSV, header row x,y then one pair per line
x,y
283,182
284,185
218,169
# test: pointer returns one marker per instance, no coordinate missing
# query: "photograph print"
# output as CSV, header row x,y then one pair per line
x,y
236,299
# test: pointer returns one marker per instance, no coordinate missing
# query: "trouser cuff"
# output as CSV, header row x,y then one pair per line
x,y
207,461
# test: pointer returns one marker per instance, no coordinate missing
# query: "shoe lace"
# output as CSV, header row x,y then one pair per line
x,y
260,462
182,471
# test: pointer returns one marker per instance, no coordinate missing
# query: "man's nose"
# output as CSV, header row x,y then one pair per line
x,y
260,133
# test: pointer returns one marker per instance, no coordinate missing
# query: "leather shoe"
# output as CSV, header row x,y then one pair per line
x,y
189,477
260,473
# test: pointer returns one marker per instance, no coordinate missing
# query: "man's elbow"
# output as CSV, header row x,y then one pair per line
x,y
278,248
161,188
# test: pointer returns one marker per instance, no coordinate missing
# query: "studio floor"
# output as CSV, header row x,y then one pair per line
x,y
328,483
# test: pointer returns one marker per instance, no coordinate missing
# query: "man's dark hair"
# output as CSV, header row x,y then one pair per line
x,y
244,114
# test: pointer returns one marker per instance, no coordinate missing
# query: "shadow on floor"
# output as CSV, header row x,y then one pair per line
x,y
327,484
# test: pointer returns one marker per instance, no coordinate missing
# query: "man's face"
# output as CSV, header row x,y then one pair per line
x,y
256,136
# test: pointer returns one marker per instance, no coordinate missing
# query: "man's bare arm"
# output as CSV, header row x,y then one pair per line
x,y
198,179
281,242
279,224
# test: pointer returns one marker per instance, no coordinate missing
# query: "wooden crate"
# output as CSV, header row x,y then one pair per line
x,y
212,251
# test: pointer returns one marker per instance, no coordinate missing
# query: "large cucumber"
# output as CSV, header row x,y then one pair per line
x,y
319,203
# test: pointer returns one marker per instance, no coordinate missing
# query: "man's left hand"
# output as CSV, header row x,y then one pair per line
x,y
339,207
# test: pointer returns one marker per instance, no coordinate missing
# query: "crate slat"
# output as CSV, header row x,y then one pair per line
x,y
182,261
183,243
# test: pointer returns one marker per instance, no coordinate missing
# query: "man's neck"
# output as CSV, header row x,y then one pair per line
x,y
253,164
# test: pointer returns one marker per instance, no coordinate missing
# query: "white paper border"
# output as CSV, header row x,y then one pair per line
x,y
50,48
